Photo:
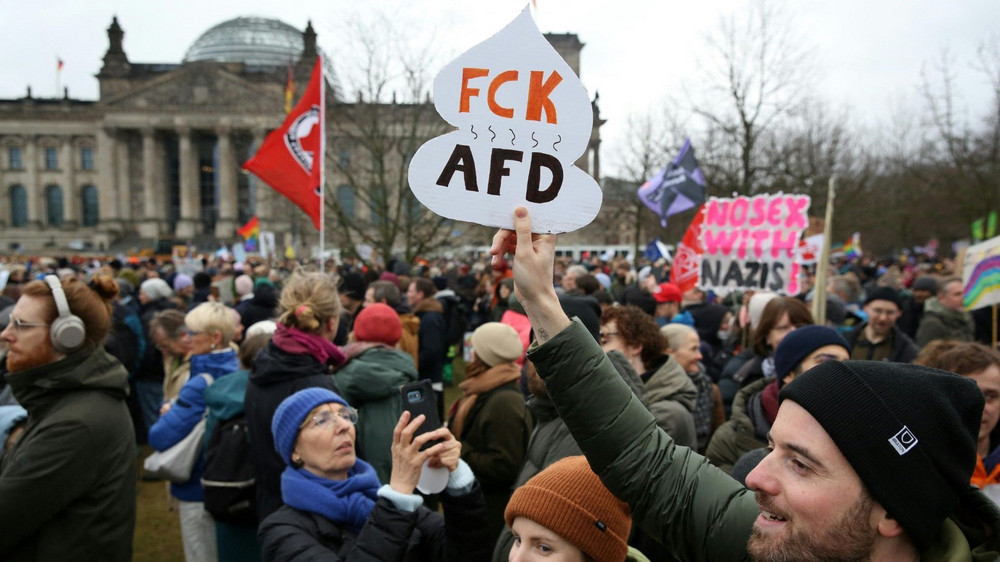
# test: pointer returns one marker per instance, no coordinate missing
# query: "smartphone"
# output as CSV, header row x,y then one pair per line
x,y
419,398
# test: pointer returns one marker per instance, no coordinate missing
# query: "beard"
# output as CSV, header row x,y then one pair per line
x,y
850,538
30,358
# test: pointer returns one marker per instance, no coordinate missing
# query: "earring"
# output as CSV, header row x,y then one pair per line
x,y
213,346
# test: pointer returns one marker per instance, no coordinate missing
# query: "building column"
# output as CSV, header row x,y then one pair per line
x,y
71,191
153,197
107,188
34,192
187,225
228,199
263,194
122,164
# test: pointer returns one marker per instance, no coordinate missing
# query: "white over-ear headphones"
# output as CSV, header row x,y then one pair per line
x,y
67,331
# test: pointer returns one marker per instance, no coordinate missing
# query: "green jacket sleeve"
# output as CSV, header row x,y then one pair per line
x,y
693,508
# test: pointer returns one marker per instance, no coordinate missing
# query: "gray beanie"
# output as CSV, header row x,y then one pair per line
x,y
156,289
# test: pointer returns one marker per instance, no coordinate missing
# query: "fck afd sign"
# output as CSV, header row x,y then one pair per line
x,y
522,118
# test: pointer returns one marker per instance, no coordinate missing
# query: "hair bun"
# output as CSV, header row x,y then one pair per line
x,y
105,286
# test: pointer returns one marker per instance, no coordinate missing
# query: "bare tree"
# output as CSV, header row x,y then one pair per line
x,y
373,137
759,72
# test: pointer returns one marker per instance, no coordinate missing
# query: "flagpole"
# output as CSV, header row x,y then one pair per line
x,y
823,265
322,164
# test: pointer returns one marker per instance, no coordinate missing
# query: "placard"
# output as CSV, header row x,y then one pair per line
x,y
981,274
523,119
752,243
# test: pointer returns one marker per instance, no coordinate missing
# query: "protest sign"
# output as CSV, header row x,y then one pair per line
x,y
981,274
523,119
752,243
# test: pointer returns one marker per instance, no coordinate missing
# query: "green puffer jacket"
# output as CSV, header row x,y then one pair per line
x,y
738,436
698,511
370,382
67,489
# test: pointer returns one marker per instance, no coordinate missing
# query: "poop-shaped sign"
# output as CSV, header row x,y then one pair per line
x,y
523,118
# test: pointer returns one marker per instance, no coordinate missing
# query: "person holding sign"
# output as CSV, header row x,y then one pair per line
x,y
852,450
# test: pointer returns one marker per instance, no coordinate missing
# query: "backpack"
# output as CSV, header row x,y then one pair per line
x,y
229,480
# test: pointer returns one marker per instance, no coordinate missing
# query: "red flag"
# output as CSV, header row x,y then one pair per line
x,y
291,158
687,258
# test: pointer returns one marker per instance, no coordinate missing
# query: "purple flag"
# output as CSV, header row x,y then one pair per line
x,y
678,187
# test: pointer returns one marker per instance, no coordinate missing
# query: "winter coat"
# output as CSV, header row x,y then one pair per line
x,y
176,372
409,339
261,307
494,439
904,350
741,434
672,397
940,323
67,488
432,339
389,535
189,409
151,365
370,382
698,511
276,375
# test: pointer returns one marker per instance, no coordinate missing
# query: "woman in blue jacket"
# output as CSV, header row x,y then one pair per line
x,y
210,328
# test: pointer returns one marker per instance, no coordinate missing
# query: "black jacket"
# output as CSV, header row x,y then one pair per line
x,y
904,350
276,375
389,535
151,365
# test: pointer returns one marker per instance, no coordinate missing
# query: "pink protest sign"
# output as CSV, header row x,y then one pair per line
x,y
752,243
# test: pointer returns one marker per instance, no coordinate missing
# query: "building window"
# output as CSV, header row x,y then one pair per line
x,y
54,205
88,204
14,155
51,159
18,206
345,197
345,158
86,158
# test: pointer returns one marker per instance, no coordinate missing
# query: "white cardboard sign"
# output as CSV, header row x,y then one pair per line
x,y
523,118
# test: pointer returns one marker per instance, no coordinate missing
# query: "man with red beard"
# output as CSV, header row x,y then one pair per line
x,y
67,486
868,460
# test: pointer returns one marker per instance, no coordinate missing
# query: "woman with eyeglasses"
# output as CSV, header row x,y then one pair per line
x,y
209,330
336,508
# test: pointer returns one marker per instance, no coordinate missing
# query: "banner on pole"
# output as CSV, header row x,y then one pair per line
x,y
981,274
753,243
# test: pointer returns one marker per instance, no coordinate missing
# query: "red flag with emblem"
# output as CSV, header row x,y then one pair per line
x,y
687,258
291,157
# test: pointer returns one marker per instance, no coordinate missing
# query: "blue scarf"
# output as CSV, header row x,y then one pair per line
x,y
345,502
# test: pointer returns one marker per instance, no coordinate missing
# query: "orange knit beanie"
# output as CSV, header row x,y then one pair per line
x,y
570,500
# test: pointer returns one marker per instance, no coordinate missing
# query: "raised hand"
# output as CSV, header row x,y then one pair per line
x,y
407,458
450,454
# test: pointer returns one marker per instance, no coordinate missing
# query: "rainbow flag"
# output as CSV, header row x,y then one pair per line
x,y
251,234
852,248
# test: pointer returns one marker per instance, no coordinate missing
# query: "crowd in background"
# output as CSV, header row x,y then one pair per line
x,y
294,353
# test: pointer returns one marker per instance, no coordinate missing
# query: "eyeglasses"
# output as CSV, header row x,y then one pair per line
x,y
326,418
192,333
21,326
608,335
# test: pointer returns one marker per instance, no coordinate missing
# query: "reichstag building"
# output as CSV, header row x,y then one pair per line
x,y
158,156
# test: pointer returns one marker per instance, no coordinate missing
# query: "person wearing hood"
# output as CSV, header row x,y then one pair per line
x,y
261,305
756,406
714,323
490,418
370,379
67,487
669,391
154,296
945,316
300,355
210,327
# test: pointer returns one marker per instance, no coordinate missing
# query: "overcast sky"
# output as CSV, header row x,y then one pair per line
x,y
869,54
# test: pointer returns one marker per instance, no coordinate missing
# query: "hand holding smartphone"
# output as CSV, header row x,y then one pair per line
x,y
419,398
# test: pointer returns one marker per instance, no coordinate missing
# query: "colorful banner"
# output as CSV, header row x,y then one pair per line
x,y
753,243
981,274
811,248
677,188
250,232
290,158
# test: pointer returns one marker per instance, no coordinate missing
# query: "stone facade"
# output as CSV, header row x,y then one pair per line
x,y
158,156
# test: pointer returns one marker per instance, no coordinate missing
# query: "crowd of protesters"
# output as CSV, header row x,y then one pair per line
x,y
314,359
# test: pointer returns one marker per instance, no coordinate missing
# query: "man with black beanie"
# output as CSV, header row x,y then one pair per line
x,y
879,338
869,460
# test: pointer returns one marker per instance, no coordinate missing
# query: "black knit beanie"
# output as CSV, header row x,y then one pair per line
x,y
908,431
799,343
885,294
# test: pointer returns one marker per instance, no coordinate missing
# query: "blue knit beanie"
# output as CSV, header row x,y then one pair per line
x,y
799,343
292,412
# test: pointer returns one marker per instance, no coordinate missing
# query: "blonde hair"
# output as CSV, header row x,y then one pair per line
x,y
212,317
308,301
675,334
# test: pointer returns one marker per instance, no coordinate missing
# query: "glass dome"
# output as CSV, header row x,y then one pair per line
x,y
254,41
